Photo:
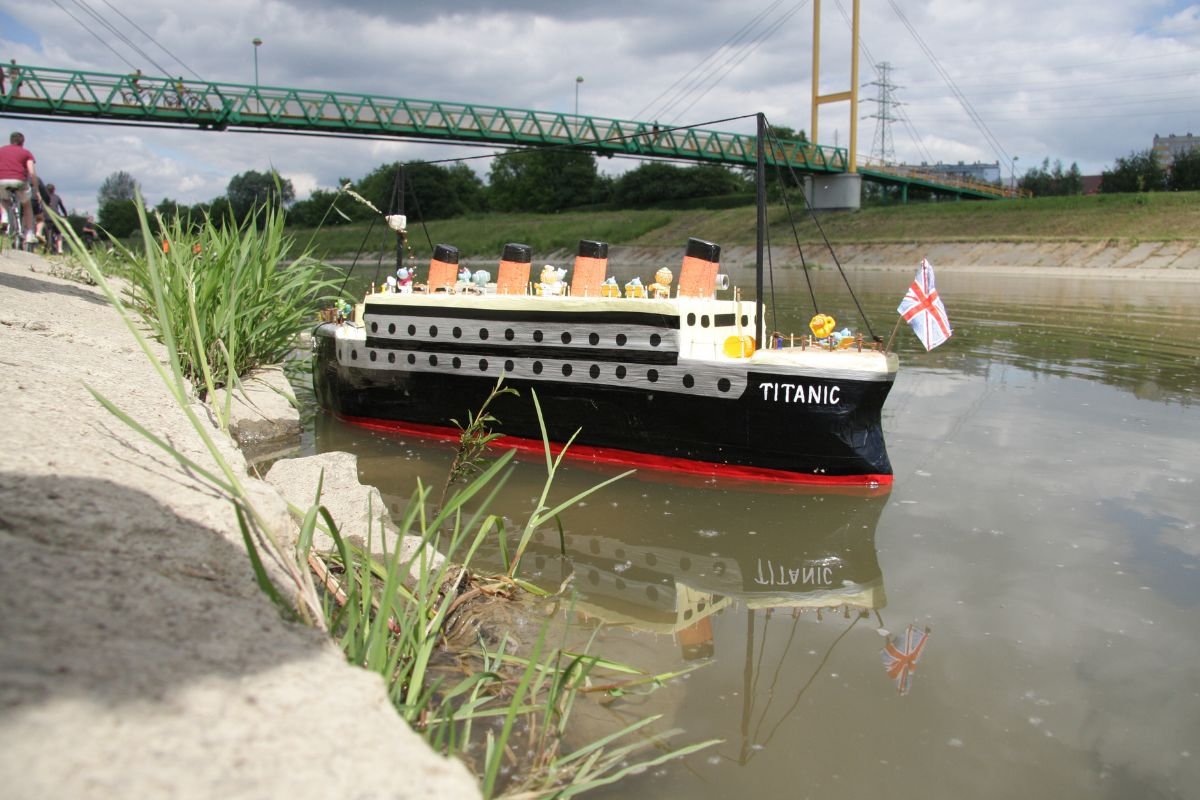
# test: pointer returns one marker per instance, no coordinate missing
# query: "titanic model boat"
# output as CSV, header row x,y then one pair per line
x,y
684,378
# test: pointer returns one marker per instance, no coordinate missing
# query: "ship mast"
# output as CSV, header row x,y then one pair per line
x,y
760,180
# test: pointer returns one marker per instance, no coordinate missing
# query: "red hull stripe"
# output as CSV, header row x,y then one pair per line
x,y
609,455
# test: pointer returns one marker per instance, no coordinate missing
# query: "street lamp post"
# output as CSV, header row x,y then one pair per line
x,y
257,42
1013,189
578,80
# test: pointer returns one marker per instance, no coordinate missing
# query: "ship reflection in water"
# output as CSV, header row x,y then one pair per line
x,y
759,588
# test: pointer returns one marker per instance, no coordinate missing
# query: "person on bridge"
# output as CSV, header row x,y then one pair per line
x,y
17,172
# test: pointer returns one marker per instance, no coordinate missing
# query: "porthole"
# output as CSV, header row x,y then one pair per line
x,y
432,360
392,328
652,375
508,365
354,355
723,385
412,330
391,358
373,355
621,371
652,593
566,369
655,340
688,381
621,340
593,339
566,337
483,333
594,371
457,332
508,334
704,321
691,319
374,327
537,336
433,331
745,321
412,358
537,368
483,365
457,362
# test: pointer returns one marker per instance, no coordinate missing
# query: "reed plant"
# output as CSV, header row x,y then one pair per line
x,y
233,296
390,615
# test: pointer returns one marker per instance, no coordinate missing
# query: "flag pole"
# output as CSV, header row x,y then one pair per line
x,y
899,319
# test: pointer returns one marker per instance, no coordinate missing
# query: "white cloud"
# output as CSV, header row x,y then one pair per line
x,y
1081,82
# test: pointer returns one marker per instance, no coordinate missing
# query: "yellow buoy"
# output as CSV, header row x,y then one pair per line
x,y
739,346
822,325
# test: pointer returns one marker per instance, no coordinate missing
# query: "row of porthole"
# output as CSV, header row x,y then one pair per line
x,y
704,322
509,334
621,372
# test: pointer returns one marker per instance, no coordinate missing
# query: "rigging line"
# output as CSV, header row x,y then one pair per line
x,y
816,671
152,39
88,28
119,34
803,262
966,104
746,54
730,41
829,246
778,666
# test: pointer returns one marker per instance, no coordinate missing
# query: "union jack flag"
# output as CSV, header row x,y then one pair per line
x,y
900,656
922,309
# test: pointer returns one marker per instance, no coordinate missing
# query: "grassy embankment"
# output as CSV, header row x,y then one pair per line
x,y
1143,217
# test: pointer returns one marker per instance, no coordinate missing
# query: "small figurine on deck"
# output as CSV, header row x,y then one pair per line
x,y
404,280
609,288
551,282
661,288
634,288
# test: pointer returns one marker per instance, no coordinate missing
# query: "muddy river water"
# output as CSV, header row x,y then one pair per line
x,y
1016,617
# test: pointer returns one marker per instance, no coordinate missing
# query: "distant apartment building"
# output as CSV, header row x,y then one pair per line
x,y
1168,148
986,173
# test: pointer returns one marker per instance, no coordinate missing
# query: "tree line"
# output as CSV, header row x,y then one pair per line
x,y
545,180
535,180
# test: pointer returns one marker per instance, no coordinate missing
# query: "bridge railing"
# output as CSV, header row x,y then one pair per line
x,y
138,97
940,180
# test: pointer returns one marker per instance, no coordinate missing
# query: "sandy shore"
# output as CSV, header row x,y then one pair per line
x,y
137,656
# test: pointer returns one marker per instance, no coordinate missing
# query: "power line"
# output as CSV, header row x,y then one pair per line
x,y
155,41
88,28
733,39
746,52
113,29
962,98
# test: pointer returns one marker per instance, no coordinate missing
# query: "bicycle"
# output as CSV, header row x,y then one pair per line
x,y
14,236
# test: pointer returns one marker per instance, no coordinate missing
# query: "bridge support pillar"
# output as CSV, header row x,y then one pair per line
x,y
839,192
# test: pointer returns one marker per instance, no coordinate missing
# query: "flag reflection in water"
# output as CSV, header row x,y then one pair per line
x,y
900,656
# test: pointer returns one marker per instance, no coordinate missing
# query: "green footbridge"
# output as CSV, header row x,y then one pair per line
x,y
149,100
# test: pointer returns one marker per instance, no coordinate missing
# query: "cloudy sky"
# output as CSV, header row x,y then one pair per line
x,y
1084,81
